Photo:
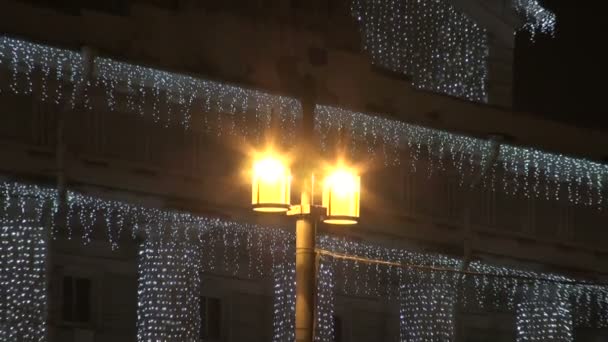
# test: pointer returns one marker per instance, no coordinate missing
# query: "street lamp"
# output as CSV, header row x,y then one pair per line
x,y
270,184
341,190
271,191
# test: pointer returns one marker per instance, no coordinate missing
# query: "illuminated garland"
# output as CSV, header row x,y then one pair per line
x,y
439,47
284,308
223,240
516,170
185,244
545,321
168,99
490,287
170,262
267,245
325,301
221,109
35,68
23,251
168,300
172,98
427,308
384,139
537,18
176,248
373,279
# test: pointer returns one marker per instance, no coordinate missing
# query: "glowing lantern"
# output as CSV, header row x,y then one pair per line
x,y
270,188
341,195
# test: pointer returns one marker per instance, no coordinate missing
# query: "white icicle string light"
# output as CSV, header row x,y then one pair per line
x,y
578,175
418,139
493,287
537,18
545,321
169,99
168,300
439,47
427,307
187,101
325,301
23,251
213,236
34,67
87,213
284,308
39,202
169,260
526,171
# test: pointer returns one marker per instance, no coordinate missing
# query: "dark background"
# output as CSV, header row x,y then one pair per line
x,y
564,78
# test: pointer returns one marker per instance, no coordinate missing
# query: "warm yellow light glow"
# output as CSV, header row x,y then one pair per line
x,y
270,186
341,195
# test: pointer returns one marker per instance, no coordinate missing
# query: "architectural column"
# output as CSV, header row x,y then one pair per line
x,y
545,321
23,252
168,301
325,300
284,313
427,308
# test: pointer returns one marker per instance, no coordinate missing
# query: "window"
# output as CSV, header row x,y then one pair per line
x,y
72,7
76,303
297,4
63,6
172,5
211,318
337,329
116,7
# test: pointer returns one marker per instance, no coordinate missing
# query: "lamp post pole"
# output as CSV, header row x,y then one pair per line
x,y
305,273
306,226
340,205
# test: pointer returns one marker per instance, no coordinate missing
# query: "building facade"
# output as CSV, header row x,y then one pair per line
x,y
461,181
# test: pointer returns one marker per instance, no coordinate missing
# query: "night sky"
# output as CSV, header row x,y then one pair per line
x,y
564,78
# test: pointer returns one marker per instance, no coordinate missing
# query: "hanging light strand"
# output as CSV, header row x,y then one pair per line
x,y
483,286
439,47
23,297
352,267
167,99
427,308
325,301
168,301
536,17
545,321
524,169
222,109
284,284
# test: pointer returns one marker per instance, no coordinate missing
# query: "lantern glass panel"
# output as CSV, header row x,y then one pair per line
x,y
341,196
270,186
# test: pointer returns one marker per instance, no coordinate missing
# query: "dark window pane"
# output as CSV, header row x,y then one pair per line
x,y
203,314
117,7
83,300
68,299
214,317
211,317
66,6
297,4
73,7
337,329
